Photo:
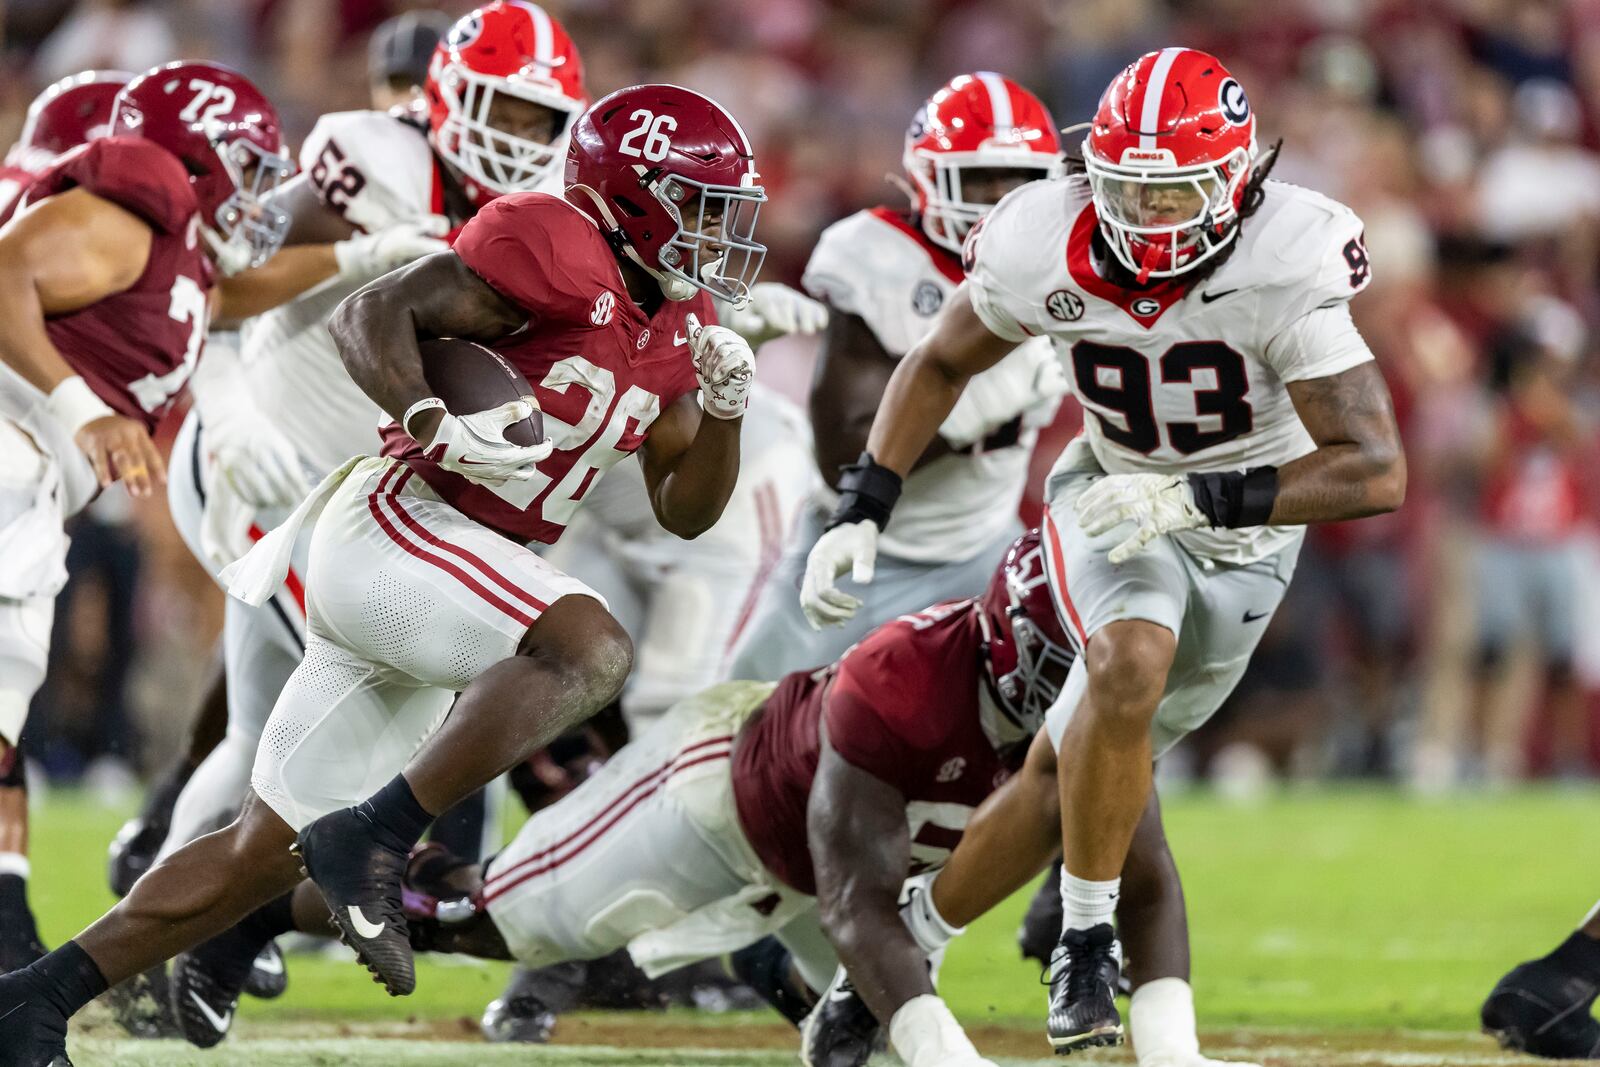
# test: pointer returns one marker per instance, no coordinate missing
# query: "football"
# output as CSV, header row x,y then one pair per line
x,y
470,378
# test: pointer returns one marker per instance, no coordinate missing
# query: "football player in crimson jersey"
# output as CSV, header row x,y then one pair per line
x,y
421,585
65,115
884,273
1204,314
107,268
799,809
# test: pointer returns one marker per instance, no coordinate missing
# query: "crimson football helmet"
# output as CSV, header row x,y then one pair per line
x,y
507,49
67,114
1026,646
981,120
226,132
1168,155
671,177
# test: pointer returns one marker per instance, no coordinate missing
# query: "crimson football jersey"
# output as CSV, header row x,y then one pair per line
x,y
903,706
136,348
13,181
602,370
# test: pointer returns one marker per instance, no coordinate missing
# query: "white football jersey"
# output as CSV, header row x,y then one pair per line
x,y
377,170
879,266
1178,379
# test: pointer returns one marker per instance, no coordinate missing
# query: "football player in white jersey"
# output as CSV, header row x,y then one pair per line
x,y
1203,312
884,274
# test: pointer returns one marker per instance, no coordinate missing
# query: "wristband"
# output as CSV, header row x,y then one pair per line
x,y
73,404
1236,498
431,403
867,492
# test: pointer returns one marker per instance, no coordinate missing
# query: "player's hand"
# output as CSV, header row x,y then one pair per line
x,y
120,448
851,546
372,254
774,310
475,446
255,457
725,366
1156,503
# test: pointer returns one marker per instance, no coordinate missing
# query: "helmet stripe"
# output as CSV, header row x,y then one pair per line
x,y
544,51
999,99
1154,90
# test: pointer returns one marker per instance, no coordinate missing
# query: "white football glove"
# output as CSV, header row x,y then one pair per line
x,y
1157,503
925,1034
373,254
1162,1024
773,310
475,446
851,546
725,366
256,458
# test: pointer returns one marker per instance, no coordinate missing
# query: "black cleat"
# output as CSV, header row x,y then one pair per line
x,y
1542,1007
133,850
1041,925
33,1031
206,984
362,877
526,1012
1083,991
768,969
841,1030
142,1005
268,976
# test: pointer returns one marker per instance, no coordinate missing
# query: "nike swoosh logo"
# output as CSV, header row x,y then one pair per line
x,y
1206,298
269,964
218,1022
1252,616
679,339
366,929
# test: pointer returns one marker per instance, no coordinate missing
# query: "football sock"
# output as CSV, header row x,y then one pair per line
x,y
1086,903
270,920
69,977
1580,954
14,867
394,812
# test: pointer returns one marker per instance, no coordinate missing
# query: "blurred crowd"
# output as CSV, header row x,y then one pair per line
x,y
1456,642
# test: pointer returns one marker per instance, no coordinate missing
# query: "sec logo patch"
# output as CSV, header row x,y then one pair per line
x,y
1064,305
926,298
605,305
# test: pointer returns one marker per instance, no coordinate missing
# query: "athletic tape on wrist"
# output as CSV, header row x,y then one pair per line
x,y
74,405
924,1033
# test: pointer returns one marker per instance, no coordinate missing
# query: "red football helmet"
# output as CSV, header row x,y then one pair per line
x,y
74,110
1168,155
640,156
507,49
976,121
1026,646
226,132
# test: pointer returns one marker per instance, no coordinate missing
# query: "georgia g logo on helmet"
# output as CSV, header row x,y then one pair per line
x,y
1232,102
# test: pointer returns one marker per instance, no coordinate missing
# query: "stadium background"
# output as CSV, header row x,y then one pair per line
x,y
1464,132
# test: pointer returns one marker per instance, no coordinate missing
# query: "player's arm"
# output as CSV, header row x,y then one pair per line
x,y
861,853
847,389
919,396
61,255
1358,468
320,245
690,463
377,327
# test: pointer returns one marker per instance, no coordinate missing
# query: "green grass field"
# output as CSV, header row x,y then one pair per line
x,y
1329,926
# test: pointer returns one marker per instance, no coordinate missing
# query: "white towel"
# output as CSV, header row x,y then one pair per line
x,y
256,575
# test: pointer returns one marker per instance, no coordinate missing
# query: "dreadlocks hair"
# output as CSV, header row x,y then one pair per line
x,y
1255,194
